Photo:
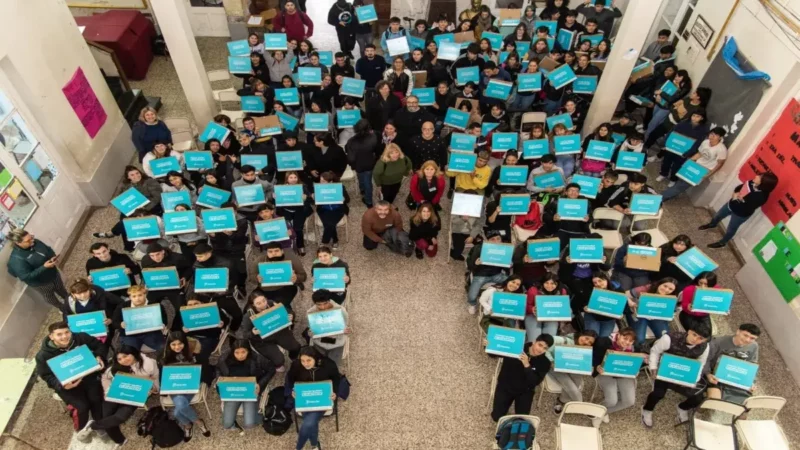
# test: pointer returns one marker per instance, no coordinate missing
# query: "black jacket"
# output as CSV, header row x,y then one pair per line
x,y
177,260
117,259
481,270
49,350
362,151
324,370
254,366
421,150
333,160
344,14
379,111
425,230
750,203
514,378
445,101
371,70
463,62
409,124
346,71
99,300
218,261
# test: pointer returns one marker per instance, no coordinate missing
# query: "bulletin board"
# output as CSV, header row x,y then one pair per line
x,y
779,254
108,4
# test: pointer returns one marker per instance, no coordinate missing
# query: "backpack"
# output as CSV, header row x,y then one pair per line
x,y
516,434
164,431
277,420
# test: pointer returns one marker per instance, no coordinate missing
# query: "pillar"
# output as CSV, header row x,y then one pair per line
x,y
173,19
631,36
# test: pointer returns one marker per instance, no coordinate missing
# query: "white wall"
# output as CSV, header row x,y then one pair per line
x,y
416,9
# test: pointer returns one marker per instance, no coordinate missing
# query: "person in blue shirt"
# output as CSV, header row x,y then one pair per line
x,y
394,31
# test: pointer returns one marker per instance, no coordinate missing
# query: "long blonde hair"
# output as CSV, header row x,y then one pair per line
x,y
417,219
388,150
425,165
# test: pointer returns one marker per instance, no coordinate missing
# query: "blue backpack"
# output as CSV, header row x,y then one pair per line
x,y
516,434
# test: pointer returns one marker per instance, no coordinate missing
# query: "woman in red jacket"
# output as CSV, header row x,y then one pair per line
x,y
687,317
296,24
427,184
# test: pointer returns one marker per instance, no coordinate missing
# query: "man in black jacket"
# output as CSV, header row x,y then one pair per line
x,y
468,59
409,121
371,67
341,16
103,258
342,66
159,257
84,394
519,377
362,151
207,259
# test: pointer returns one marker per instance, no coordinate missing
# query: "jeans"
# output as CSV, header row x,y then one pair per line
x,y
477,284
659,327
659,116
309,429
184,413
671,165
297,220
571,385
347,41
567,164
533,328
618,393
677,189
603,328
363,39
330,218
365,186
152,339
521,103
733,225
229,410
551,106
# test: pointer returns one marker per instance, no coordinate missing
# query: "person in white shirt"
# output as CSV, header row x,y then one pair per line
x,y
711,155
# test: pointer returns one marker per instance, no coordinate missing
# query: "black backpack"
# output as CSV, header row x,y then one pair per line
x,y
164,431
516,434
277,419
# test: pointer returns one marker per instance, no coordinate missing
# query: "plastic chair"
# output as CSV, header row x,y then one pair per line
x,y
529,119
219,75
494,387
580,437
178,124
713,436
200,397
533,420
183,141
481,332
612,239
318,228
641,224
762,434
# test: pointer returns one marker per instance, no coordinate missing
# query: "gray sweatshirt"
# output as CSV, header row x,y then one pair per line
x,y
266,185
340,339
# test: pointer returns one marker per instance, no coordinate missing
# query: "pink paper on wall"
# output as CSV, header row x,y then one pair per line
x,y
85,103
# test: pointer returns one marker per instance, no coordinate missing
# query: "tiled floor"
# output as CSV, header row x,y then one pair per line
x,y
419,380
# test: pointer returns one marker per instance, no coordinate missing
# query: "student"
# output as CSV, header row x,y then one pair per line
x,y
495,222
593,167
34,263
518,378
250,178
428,184
652,51
626,277
361,150
664,286
382,107
400,79
569,22
341,17
242,362
511,285
463,230
548,165
332,346
592,29
131,361
159,257
296,215
424,229
711,155
178,351
326,156
325,260
483,21
393,31
382,224
426,146
692,344
549,285
389,172
527,225
520,33
687,317
604,16
618,392
206,259
310,366
420,29
370,67
746,199
267,347
209,338
511,158
148,130
341,66
444,99
695,128
565,162
176,182
281,294
188,241
565,230
663,101
331,215
571,384
680,110
554,8
620,199
86,298
600,324
634,142
482,273
468,59
146,186
669,255
296,24
278,64
153,339
607,187
478,179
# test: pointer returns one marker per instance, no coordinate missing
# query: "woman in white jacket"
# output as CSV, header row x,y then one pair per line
x,y
160,150
400,79
131,361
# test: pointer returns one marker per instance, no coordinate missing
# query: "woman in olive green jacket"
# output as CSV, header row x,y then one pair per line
x,y
390,170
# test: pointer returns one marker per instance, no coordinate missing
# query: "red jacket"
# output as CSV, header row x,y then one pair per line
x,y
417,195
530,303
687,297
531,221
294,24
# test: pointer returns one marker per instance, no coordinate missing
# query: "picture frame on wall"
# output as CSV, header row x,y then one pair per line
x,y
702,31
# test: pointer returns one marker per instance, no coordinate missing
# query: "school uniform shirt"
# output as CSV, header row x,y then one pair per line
x,y
711,155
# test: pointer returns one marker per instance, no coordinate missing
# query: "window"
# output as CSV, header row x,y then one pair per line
x,y
674,16
23,162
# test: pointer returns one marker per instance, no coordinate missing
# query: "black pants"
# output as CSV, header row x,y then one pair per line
x,y
297,219
693,396
458,243
283,295
660,131
329,219
369,244
389,191
85,398
347,41
268,347
114,415
503,400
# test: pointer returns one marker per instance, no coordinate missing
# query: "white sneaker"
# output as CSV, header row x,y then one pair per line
x,y
606,419
647,418
683,415
658,178
119,446
671,183
85,435
472,309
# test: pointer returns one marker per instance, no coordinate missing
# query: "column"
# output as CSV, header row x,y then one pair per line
x,y
632,34
173,19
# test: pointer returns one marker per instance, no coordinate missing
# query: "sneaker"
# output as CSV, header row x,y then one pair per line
x,y
472,309
205,431
606,419
719,244
335,246
558,407
707,226
660,177
418,252
450,195
683,415
85,435
187,433
280,369
103,235
670,184
119,446
301,251
647,418
652,158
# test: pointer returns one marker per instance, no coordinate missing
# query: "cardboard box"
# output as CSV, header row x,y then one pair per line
x,y
642,262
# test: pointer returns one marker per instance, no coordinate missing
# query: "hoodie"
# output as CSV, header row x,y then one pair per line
x,y
254,366
298,25
389,34
49,350
342,13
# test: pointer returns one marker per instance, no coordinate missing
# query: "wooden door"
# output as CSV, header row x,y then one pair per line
x,y
442,6
384,10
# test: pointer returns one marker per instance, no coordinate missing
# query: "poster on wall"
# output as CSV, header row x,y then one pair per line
x,y
84,102
779,254
779,152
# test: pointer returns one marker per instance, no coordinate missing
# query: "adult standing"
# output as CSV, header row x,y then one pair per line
x,y
34,262
363,31
341,17
148,130
296,24
300,4
361,150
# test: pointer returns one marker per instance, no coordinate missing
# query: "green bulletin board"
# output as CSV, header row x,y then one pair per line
x,y
779,254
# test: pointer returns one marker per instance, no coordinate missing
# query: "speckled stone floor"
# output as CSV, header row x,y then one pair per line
x,y
419,380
